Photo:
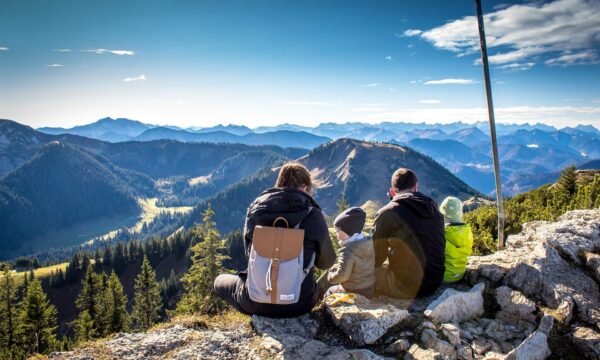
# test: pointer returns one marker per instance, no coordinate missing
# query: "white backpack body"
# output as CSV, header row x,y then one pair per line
x,y
275,266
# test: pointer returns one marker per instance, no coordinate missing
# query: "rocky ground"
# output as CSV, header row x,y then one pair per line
x,y
536,299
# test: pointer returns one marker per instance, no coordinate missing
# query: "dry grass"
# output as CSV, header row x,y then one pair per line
x,y
228,320
39,273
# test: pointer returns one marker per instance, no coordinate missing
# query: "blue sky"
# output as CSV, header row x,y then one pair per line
x,y
199,63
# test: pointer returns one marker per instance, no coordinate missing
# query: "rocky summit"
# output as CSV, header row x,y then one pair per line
x,y
537,298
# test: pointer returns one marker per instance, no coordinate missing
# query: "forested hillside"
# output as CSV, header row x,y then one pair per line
x,y
572,191
60,186
358,170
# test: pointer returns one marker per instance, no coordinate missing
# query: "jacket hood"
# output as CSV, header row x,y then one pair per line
x,y
421,203
290,203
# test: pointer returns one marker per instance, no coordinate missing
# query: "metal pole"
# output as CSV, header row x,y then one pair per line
x,y
490,105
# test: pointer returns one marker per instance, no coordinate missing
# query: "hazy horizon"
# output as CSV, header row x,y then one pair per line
x,y
253,127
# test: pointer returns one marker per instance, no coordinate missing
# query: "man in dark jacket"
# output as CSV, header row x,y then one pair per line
x,y
409,233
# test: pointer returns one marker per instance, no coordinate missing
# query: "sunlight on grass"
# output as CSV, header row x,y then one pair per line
x,y
39,273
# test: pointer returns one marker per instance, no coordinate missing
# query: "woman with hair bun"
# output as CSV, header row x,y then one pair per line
x,y
291,198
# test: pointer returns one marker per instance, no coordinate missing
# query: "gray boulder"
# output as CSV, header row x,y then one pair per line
x,y
417,353
362,320
545,262
514,306
587,341
456,306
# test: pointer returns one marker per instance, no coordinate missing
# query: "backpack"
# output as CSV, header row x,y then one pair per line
x,y
275,266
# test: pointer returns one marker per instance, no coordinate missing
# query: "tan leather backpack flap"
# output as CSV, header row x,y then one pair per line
x,y
278,243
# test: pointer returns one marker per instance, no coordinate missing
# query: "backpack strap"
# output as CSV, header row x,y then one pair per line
x,y
310,265
310,208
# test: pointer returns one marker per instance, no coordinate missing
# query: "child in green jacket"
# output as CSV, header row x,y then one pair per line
x,y
459,239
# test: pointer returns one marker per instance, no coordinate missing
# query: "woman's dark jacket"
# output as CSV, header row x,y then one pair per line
x,y
293,205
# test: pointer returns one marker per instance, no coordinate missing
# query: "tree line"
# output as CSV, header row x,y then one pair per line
x,y
573,190
28,320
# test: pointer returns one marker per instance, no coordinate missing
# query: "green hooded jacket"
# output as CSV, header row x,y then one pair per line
x,y
459,245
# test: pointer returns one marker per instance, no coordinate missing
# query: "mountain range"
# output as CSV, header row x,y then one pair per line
x,y
54,182
358,170
526,151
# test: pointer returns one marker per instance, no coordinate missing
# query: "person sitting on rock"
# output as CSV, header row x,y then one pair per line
x,y
291,199
354,270
409,233
459,239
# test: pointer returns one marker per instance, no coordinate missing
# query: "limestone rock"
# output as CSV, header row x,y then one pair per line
x,y
456,306
592,262
587,341
514,305
177,341
464,352
364,321
497,332
417,353
398,346
300,326
293,338
295,347
480,346
544,262
452,333
431,341
535,347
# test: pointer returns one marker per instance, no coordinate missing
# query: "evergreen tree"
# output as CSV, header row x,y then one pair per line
x,y
8,312
84,327
97,261
568,179
72,269
89,299
116,301
342,204
207,264
37,320
147,298
119,261
107,257
25,283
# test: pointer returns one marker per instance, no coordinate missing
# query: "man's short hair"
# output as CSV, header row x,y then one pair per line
x,y
404,179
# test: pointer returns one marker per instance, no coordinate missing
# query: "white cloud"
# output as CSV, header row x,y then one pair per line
x,y
413,81
4,48
309,103
137,78
517,66
430,101
451,82
520,32
54,65
582,58
392,89
62,50
372,85
412,32
389,57
115,52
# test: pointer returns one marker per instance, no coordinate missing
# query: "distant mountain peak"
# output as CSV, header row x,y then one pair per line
x,y
106,119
